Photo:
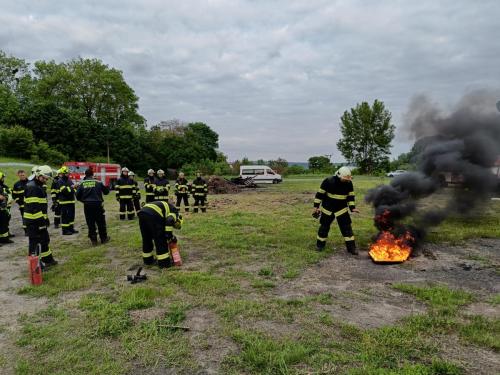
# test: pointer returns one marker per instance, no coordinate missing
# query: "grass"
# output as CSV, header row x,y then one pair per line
x,y
242,259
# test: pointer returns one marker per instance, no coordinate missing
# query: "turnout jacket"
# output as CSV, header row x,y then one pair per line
x,y
164,212
5,191
18,192
149,185
35,205
181,186
65,191
91,191
162,188
54,189
335,196
199,187
124,188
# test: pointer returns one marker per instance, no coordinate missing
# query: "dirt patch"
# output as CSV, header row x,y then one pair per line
x,y
475,360
209,348
146,314
483,309
362,290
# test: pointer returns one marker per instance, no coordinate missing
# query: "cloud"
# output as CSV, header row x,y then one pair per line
x,y
271,77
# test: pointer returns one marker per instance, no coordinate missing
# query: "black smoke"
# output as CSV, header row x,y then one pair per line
x,y
464,142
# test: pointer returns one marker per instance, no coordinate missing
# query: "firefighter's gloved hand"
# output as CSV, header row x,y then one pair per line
x,y
173,239
117,198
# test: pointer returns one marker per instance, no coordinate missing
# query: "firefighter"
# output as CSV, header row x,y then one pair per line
x,y
136,194
199,189
90,193
5,203
162,188
56,207
124,194
182,192
66,199
150,186
336,198
18,193
157,221
35,216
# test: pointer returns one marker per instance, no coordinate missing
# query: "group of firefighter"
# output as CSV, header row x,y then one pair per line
x,y
157,188
157,216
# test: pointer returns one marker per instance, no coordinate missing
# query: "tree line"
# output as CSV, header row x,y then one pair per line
x,y
83,109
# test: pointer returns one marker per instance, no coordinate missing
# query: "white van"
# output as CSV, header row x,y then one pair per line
x,y
261,174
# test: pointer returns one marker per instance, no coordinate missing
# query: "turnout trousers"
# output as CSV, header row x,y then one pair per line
x,y
67,217
180,198
94,216
137,204
127,208
150,197
344,223
39,241
153,236
200,202
4,224
57,215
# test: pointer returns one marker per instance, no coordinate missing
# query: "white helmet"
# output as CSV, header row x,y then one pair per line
x,y
344,172
151,171
43,170
131,174
125,169
33,170
160,171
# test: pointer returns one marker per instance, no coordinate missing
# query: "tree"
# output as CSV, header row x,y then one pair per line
x,y
367,133
279,165
320,164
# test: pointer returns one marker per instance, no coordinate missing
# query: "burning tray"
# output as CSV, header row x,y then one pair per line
x,y
389,249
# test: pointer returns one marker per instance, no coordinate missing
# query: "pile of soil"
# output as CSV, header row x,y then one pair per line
x,y
219,185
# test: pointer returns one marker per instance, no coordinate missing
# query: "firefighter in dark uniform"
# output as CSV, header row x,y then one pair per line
x,y
56,207
136,194
35,215
18,193
5,203
162,188
150,186
336,197
182,192
157,221
199,189
90,193
66,199
125,194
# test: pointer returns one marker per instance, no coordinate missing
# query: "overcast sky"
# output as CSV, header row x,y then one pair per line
x,y
271,77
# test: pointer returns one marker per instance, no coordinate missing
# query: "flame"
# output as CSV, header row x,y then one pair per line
x,y
389,248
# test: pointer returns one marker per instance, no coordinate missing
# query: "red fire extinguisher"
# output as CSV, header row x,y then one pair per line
x,y
35,267
175,255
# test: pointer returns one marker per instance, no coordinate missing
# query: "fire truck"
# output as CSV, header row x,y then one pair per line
x,y
108,174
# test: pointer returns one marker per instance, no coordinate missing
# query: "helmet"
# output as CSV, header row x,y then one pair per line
x,y
178,222
151,171
63,170
34,169
125,169
344,172
44,170
131,174
160,171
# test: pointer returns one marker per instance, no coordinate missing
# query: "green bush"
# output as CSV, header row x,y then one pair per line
x,y
295,169
16,141
43,153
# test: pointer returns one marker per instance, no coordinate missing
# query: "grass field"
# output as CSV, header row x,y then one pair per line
x,y
253,297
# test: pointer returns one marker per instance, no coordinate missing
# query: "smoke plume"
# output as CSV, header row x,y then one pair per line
x,y
464,142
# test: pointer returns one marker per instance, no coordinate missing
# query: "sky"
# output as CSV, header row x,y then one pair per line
x,y
272,78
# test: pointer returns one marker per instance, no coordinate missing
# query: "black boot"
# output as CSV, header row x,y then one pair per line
x,y
105,240
351,247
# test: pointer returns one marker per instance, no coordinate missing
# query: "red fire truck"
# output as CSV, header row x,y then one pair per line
x,y
106,173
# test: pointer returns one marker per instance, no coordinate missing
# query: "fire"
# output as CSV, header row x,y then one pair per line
x,y
389,248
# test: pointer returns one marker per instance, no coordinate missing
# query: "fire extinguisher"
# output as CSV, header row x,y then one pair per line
x,y
175,255
35,267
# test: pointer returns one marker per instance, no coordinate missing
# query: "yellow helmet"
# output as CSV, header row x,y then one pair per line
x,y
63,170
